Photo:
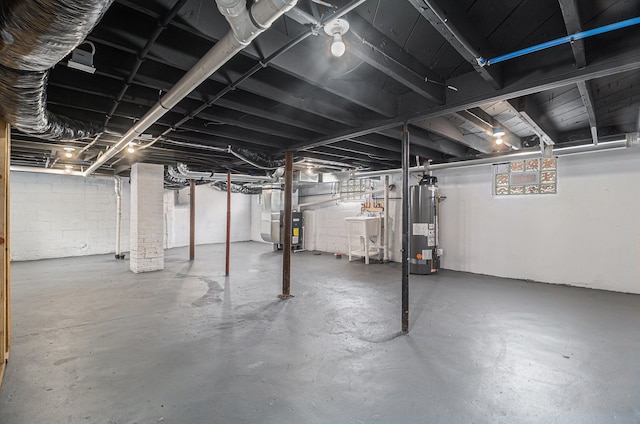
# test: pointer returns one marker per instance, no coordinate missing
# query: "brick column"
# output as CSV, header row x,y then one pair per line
x,y
147,220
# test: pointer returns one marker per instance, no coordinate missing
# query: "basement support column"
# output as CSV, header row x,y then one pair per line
x,y
192,219
147,217
5,257
288,216
385,257
405,229
228,240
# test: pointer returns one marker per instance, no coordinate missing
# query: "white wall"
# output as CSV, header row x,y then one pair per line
x,y
211,216
58,215
587,235
325,227
256,209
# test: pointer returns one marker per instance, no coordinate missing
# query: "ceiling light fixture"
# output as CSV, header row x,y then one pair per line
x,y
69,152
82,60
498,133
337,29
131,148
68,168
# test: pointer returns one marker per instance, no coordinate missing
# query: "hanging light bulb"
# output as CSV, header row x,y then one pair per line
x,y
499,140
336,29
68,168
337,47
131,149
69,152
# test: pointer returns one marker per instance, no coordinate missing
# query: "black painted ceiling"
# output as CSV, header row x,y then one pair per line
x,y
402,64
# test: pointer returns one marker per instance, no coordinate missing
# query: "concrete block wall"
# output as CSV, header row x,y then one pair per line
x,y
56,216
211,216
147,218
588,234
325,227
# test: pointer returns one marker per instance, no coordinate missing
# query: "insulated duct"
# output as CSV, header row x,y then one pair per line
x,y
259,160
245,24
34,36
236,188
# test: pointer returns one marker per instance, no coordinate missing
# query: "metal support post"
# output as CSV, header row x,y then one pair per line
x,y
286,250
405,229
228,241
192,219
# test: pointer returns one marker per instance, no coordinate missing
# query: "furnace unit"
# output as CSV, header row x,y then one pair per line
x,y
423,252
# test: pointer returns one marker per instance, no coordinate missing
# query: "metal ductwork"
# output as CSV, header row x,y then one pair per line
x,y
182,172
236,188
245,24
34,36
258,160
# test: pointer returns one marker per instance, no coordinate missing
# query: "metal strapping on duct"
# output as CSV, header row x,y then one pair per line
x,y
34,36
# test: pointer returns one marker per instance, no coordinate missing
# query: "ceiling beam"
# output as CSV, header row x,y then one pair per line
x,y
486,123
455,27
420,137
474,92
393,144
384,54
527,110
584,87
303,62
571,16
447,129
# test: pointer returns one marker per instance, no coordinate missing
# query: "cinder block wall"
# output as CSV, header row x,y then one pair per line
x,y
56,216
147,213
327,230
211,216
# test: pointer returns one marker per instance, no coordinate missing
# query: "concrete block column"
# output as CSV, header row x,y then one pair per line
x,y
147,228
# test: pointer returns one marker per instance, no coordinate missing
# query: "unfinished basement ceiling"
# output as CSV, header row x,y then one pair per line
x,y
402,64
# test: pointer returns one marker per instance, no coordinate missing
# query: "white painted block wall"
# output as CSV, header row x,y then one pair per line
x,y
147,224
587,235
56,216
211,216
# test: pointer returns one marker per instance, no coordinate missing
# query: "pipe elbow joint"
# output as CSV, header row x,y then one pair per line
x,y
231,8
266,12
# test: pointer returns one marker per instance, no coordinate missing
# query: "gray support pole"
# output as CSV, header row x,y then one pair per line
x,y
227,266
286,250
405,229
192,219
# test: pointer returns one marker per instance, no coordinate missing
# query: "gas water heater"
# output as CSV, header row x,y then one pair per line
x,y
423,252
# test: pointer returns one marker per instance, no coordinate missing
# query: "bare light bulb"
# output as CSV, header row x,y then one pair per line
x,y
68,154
337,47
131,149
498,140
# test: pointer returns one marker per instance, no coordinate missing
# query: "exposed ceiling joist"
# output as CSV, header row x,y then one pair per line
x,y
456,28
528,111
584,87
384,54
473,91
482,120
571,16
423,138
447,129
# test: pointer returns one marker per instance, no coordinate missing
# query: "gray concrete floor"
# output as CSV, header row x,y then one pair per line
x,y
94,343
